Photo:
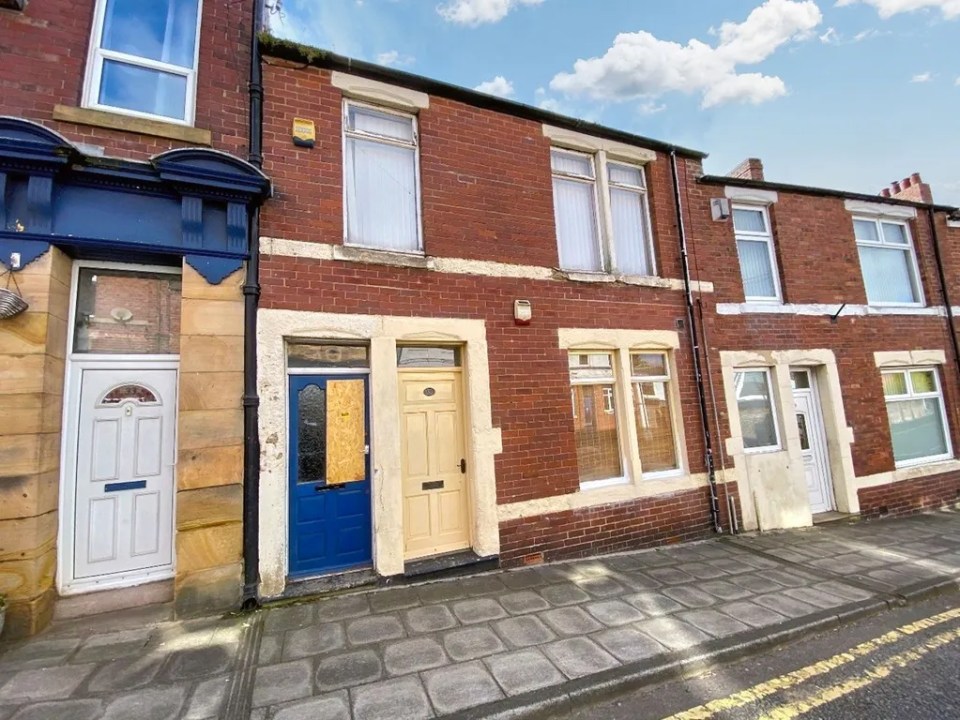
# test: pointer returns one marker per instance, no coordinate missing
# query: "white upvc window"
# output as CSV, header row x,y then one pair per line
x,y
758,417
653,414
888,261
919,430
143,59
596,430
381,179
601,213
758,257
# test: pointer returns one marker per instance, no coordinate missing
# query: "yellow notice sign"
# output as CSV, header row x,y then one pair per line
x,y
304,132
346,444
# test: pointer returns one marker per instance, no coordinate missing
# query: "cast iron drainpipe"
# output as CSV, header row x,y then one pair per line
x,y
251,301
695,346
941,275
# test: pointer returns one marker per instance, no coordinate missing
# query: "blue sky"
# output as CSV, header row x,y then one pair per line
x,y
850,94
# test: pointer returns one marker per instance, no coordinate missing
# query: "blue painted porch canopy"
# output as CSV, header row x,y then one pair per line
x,y
192,202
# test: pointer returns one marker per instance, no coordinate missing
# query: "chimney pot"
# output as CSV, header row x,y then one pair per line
x,y
905,183
885,192
896,188
916,178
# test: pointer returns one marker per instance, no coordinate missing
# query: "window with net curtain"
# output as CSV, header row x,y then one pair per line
x,y
596,434
758,423
381,184
758,269
918,424
650,377
144,58
588,240
887,261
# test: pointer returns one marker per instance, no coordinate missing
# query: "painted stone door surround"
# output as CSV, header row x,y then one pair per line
x,y
383,334
773,489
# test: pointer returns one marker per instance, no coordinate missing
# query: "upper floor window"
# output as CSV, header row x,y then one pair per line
x,y
918,423
888,262
758,263
143,58
381,179
602,222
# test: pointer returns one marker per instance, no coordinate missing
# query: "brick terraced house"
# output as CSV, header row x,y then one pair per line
x,y
837,346
491,334
124,219
474,340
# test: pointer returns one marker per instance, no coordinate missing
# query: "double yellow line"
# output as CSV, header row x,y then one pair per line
x,y
834,692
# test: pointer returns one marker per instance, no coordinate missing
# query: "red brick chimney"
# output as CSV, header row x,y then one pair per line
x,y
911,188
749,169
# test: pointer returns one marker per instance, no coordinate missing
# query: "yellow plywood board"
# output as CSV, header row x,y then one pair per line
x,y
346,453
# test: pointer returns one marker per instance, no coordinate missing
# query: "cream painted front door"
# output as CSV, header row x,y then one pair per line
x,y
123,515
813,442
436,515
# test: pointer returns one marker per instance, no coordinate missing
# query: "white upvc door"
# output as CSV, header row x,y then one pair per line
x,y
813,445
123,475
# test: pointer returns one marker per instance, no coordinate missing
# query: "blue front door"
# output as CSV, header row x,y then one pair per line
x,y
330,526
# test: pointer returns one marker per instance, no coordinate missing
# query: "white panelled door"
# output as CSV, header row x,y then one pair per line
x,y
813,442
123,521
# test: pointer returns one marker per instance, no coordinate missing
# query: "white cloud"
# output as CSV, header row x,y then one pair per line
x,y
641,66
393,58
499,86
478,12
889,8
922,78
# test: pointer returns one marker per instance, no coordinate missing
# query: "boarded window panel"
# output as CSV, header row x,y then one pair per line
x,y
346,456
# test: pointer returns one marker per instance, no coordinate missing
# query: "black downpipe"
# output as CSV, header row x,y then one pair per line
x,y
941,275
695,346
251,301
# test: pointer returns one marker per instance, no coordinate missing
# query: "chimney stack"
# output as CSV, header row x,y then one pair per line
x,y
749,169
912,188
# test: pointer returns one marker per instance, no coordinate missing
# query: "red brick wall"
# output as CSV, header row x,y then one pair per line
x,y
910,496
643,523
486,194
44,51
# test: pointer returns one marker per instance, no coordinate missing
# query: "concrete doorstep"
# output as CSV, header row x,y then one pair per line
x,y
520,643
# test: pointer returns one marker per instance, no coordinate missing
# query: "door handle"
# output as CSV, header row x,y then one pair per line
x,y
463,465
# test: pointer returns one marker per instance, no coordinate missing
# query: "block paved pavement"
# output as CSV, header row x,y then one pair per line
x,y
478,643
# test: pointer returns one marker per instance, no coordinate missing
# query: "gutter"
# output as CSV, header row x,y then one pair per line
x,y
817,192
695,348
315,57
251,303
944,287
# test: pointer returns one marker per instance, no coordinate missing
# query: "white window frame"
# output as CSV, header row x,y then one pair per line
x,y
359,134
600,160
96,56
767,237
911,395
623,478
912,264
667,379
773,410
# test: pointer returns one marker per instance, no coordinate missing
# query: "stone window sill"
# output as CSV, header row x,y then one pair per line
x,y
127,123
382,257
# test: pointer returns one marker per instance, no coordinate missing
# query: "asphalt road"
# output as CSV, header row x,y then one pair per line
x,y
903,663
